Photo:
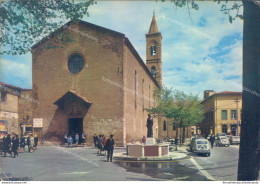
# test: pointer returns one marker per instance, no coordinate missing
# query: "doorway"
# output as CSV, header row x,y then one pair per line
x,y
75,126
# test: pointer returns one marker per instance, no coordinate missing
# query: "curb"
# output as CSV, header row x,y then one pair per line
x,y
150,159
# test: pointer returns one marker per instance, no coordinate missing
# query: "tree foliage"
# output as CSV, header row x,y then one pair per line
x,y
177,106
25,22
232,10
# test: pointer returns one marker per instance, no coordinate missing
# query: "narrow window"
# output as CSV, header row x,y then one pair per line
x,y
224,114
135,89
3,96
233,114
164,125
149,96
143,93
153,50
224,129
153,69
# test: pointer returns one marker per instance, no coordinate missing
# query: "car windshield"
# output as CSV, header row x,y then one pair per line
x,y
223,138
221,134
202,142
235,137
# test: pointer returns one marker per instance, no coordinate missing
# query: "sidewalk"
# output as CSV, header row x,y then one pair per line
x,y
181,153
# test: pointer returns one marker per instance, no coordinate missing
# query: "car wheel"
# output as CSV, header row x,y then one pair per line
x,y
227,145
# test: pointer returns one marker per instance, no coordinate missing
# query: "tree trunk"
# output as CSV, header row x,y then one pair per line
x,y
180,132
183,134
249,152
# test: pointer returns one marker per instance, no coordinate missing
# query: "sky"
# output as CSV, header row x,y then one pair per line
x,y
200,52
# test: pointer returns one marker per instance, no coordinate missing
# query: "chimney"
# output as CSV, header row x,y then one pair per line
x,y
208,93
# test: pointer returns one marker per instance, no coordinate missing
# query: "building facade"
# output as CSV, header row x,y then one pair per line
x,y
221,114
96,85
15,110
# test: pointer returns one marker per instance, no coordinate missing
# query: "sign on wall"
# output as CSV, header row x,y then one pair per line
x,y
37,123
3,128
8,115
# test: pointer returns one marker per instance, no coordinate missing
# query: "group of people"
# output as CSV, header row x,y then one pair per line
x,y
12,144
74,138
104,144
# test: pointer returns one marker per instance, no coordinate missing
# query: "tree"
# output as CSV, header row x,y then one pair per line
x,y
180,108
25,22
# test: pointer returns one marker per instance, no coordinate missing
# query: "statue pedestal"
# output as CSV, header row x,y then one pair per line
x,y
150,141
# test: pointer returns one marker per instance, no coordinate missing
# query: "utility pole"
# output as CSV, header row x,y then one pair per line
x,y
236,100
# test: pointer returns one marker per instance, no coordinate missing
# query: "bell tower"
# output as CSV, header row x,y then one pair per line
x,y
154,51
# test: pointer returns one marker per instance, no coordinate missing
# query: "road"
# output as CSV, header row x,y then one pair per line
x,y
222,164
51,163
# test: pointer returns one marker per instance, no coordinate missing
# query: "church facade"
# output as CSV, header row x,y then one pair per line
x,y
97,85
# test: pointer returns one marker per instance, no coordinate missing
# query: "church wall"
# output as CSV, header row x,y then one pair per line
x,y
25,108
135,115
51,80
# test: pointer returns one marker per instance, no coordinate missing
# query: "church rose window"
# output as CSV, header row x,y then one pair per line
x,y
75,63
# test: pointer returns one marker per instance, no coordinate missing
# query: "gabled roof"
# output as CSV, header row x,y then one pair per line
x,y
71,94
78,22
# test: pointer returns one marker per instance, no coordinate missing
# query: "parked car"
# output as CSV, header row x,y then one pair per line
x,y
234,140
221,134
200,146
222,141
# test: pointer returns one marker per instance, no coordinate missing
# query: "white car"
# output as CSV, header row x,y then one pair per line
x,y
200,146
222,141
234,140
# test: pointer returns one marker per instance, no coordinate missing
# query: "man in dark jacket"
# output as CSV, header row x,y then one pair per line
x,y
7,145
110,148
22,143
212,140
15,145
95,138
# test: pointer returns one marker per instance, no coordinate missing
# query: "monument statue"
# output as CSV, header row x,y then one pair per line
x,y
149,126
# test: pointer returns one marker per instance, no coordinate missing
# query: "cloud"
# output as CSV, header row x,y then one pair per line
x,y
18,74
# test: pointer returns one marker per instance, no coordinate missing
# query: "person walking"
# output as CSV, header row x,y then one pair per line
x,y
22,144
104,144
31,143
110,148
15,145
28,142
73,134
212,140
100,144
70,141
7,145
83,138
95,139
77,139
65,138
35,142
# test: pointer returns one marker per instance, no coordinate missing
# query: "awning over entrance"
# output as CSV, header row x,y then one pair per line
x,y
70,95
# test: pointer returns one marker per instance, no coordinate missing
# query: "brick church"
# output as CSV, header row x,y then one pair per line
x,y
97,84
